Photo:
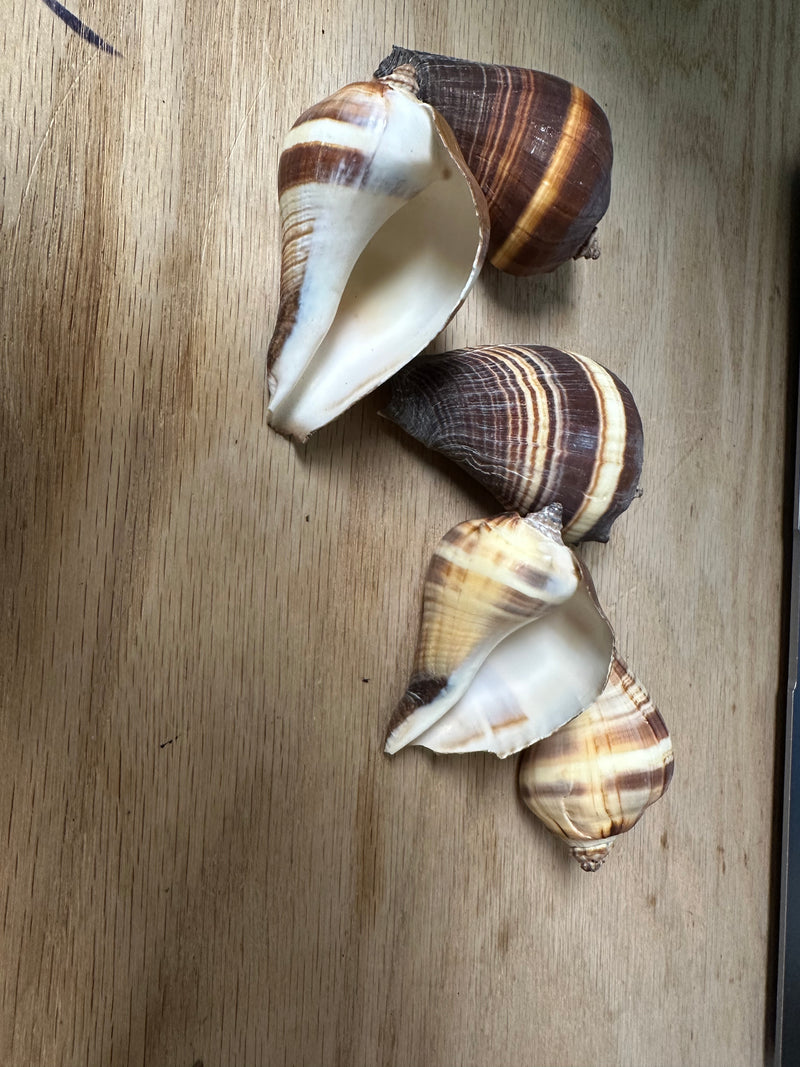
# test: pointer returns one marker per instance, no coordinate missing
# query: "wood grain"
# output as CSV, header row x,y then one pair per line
x,y
205,855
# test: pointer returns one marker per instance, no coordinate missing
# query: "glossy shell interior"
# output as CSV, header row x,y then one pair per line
x,y
384,231
512,642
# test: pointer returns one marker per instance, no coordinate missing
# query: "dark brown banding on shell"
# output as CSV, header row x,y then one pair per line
x,y
576,428
315,162
668,772
572,193
425,688
287,316
628,484
534,425
636,782
533,578
540,148
422,689
311,162
353,104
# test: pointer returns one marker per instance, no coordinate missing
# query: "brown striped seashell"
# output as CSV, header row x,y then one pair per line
x,y
533,425
512,642
594,778
539,146
384,231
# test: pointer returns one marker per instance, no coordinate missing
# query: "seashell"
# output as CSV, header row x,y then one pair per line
x,y
384,231
594,778
512,642
533,425
539,146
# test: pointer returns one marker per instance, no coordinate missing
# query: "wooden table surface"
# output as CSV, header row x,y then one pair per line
x,y
205,855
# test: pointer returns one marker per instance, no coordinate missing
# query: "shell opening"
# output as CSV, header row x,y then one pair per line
x,y
388,261
393,299
537,679
512,633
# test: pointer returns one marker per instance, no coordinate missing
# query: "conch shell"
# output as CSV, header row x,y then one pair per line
x,y
384,231
594,778
539,147
512,642
533,425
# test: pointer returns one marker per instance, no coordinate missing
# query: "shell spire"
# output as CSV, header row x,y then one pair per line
x,y
539,146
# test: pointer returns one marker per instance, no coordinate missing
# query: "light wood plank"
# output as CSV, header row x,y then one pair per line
x,y
206,855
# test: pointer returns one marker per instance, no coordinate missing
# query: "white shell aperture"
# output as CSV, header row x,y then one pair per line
x,y
384,231
512,642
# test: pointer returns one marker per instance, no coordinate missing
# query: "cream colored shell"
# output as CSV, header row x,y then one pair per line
x,y
511,644
594,778
384,231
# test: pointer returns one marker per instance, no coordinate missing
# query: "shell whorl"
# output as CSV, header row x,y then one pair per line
x,y
593,779
534,425
539,146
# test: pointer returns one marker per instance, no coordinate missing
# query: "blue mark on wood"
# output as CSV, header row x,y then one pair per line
x,y
80,28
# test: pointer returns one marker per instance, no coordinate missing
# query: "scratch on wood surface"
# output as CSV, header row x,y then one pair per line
x,y
209,214
48,130
82,30
10,405
676,467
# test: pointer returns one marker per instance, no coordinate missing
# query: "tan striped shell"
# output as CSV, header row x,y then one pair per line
x,y
511,643
594,778
384,231
533,425
539,146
